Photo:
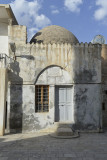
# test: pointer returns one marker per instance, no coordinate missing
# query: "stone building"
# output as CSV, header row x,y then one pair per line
x,y
52,80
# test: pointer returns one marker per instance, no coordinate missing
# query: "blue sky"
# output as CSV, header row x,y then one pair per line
x,y
84,18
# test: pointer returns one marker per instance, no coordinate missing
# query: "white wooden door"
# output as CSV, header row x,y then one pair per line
x,y
63,104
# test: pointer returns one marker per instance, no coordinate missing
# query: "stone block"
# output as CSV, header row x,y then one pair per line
x,y
54,71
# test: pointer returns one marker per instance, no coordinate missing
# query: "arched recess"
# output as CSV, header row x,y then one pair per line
x,y
54,93
53,74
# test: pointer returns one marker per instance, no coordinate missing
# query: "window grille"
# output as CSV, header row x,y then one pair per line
x,y
42,98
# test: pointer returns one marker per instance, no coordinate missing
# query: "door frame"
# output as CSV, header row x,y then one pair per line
x,y
56,119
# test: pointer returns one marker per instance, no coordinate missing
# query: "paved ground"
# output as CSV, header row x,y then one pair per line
x,y
41,146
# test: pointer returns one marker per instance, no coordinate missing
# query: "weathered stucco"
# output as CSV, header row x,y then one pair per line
x,y
17,34
21,102
22,109
104,85
3,89
86,103
87,107
80,66
81,61
77,65
104,63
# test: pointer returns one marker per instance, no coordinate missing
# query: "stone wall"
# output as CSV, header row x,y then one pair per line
x,y
81,61
75,65
17,34
104,63
21,102
104,105
104,84
87,107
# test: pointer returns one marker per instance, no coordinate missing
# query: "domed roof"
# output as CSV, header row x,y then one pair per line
x,y
54,34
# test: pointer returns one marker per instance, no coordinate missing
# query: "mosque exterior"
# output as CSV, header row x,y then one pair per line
x,y
52,80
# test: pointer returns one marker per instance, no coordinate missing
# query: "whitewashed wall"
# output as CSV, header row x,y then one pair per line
x,y
3,38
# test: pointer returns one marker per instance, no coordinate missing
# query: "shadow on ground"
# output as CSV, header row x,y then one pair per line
x,y
41,146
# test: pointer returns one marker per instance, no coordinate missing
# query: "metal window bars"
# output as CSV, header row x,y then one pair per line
x,y
42,98
5,60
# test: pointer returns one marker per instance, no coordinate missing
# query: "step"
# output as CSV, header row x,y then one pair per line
x,y
64,132
55,126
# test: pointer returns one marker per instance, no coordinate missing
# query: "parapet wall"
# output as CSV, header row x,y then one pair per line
x,y
17,34
82,61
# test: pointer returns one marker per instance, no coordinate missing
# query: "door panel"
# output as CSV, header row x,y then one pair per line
x,y
63,104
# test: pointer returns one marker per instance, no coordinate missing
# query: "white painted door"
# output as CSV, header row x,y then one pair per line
x,y
63,104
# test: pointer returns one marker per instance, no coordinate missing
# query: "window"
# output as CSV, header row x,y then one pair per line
x,y
42,98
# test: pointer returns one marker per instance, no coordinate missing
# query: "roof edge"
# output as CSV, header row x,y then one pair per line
x,y
10,13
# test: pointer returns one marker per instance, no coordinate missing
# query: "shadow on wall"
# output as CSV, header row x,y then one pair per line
x,y
35,40
104,69
104,92
56,104
16,100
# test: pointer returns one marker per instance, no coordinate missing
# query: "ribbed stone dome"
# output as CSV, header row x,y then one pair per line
x,y
54,34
